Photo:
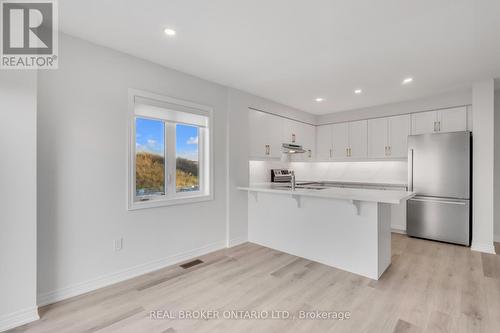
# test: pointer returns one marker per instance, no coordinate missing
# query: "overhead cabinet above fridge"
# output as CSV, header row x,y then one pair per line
x,y
440,121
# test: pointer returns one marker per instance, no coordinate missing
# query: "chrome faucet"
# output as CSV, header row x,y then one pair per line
x,y
292,180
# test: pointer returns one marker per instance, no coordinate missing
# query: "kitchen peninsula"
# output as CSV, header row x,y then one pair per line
x,y
347,228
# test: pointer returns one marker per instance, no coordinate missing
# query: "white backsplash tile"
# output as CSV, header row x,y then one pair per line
x,y
389,172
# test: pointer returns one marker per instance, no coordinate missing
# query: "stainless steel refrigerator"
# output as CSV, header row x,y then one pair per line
x,y
439,171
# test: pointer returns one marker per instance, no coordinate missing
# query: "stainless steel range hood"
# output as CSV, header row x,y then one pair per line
x,y
290,148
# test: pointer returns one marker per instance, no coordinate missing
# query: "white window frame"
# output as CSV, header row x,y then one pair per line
x,y
205,151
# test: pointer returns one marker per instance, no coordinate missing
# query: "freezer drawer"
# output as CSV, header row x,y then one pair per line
x,y
440,219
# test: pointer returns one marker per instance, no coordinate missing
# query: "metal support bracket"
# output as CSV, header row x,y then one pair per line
x,y
255,195
356,204
297,199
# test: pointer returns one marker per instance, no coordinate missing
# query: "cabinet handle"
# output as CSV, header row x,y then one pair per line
x,y
350,152
331,152
439,126
309,153
268,149
293,137
385,150
347,152
389,150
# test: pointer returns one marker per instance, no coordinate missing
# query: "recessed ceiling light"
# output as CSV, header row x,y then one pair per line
x,y
408,80
358,91
169,32
319,99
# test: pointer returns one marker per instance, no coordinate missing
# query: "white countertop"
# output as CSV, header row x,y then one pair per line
x,y
359,194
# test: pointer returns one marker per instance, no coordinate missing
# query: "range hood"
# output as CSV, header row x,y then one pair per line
x,y
290,148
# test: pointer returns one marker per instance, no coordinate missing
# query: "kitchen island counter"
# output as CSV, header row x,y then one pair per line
x,y
358,194
346,228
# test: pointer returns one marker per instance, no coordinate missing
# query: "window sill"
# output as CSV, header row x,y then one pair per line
x,y
169,202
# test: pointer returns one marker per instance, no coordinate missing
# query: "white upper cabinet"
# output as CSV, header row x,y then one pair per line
x,y
399,129
324,142
424,122
340,140
378,137
302,134
446,120
452,120
266,134
387,137
358,139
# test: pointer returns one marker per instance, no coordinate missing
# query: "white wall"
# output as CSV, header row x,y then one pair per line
x,y
82,189
497,163
17,198
483,166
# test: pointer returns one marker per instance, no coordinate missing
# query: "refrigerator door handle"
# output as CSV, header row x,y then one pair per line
x,y
461,203
410,170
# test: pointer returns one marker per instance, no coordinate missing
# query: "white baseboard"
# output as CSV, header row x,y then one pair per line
x,y
236,241
398,230
18,318
483,247
109,279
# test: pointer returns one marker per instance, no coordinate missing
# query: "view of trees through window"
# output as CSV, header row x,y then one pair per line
x,y
150,157
187,156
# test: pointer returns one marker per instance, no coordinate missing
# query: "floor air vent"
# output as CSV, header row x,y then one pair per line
x,y
191,263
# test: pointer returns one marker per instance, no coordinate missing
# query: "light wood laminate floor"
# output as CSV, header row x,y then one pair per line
x,y
430,287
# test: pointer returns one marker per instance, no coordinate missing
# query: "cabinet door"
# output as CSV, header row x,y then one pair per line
x,y
292,131
266,134
378,137
309,141
399,129
358,139
340,142
304,135
453,120
423,122
323,142
274,133
256,135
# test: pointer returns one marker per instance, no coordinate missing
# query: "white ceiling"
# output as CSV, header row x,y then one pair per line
x,y
292,51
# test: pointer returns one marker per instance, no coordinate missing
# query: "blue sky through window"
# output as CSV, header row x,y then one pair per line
x,y
150,136
186,143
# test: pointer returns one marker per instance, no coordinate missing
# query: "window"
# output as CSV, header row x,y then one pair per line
x,y
170,151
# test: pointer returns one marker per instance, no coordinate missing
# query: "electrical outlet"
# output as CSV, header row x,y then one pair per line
x,y
118,244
